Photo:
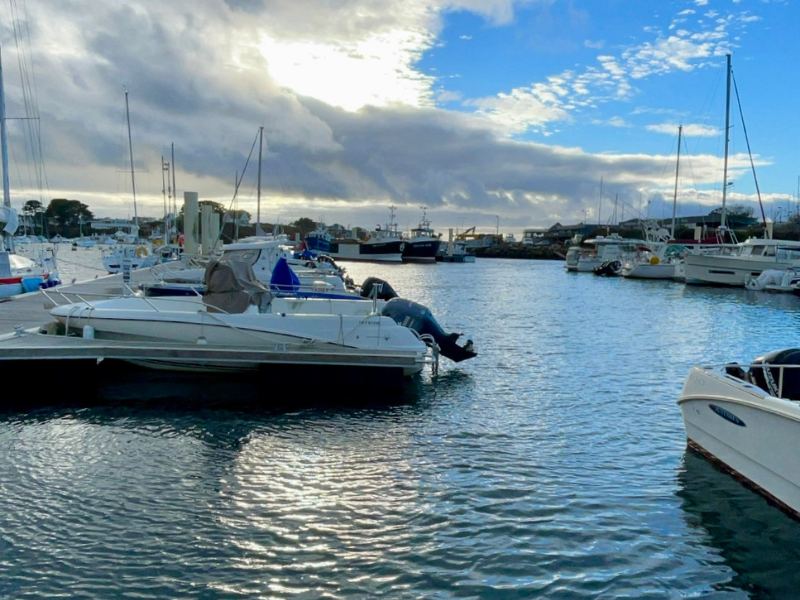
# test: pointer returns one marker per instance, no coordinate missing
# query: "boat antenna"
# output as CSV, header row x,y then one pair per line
x,y
174,190
727,139
130,148
164,185
750,154
258,196
675,195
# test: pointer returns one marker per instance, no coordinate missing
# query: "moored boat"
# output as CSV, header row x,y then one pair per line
x,y
746,418
423,244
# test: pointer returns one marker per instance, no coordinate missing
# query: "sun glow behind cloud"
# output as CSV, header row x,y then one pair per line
x,y
377,71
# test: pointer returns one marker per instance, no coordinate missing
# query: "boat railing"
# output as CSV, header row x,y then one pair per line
x,y
58,297
740,371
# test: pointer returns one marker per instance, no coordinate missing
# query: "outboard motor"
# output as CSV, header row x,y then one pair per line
x,y
610,268
386,292
419,318
781,383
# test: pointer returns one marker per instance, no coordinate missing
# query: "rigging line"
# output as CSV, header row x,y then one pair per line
x,y
749,153
238,184
691,169
32,123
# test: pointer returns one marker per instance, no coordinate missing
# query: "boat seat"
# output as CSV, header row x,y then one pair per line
x,y
778,382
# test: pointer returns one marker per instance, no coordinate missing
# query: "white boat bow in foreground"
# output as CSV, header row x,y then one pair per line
x,y
746,418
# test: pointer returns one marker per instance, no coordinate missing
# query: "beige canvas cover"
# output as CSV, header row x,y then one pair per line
x,y
232,287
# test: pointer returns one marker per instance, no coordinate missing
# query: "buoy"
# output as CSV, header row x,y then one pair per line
x,y
654,260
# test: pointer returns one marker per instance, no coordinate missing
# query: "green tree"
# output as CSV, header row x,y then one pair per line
x,y
304,225
68,213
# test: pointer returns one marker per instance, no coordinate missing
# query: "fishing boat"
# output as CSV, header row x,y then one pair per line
x,y
423,244
383,245
606,249
746,419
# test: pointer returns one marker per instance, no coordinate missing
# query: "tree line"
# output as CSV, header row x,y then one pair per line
x,y
72,218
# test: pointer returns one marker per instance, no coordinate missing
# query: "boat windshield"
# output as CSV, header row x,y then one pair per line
x,y
246,256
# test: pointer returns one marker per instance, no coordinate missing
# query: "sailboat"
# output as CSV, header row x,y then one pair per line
x,y
658,257
18,274
748,259
129,249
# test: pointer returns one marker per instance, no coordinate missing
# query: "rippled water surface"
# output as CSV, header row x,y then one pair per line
x,y
553,465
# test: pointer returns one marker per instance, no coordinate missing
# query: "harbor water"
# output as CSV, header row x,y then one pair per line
x,y
553,465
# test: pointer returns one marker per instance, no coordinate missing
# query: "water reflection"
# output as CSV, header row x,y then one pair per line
x,y
742,297
757,541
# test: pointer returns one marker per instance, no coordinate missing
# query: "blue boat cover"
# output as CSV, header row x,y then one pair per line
x,y
283,278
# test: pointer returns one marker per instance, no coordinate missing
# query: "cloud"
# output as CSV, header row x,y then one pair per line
x,y
349,120
540,106
688,130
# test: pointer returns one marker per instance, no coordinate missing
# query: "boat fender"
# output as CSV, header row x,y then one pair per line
x,y
654,260
141,252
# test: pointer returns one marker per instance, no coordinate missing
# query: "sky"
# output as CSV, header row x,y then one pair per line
x,y
495,114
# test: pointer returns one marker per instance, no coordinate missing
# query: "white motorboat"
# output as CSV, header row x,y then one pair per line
x,y
262,254
734,266
775,281
238,311
746,418
138,255
606,248
323,325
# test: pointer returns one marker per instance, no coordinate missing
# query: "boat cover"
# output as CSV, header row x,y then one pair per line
x,y
283,279
232,287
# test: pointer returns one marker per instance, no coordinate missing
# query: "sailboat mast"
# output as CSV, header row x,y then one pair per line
x,y
130,149
4,142
258,197
675,195
600,203
727,139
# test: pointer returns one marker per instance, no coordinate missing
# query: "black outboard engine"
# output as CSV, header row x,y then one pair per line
x,y
386,292
419,318
769,378
610,268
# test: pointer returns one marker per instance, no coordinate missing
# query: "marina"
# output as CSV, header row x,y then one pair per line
x,y
211,395
553,459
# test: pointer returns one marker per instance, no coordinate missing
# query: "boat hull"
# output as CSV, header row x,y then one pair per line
x,y
389,252
421,251
752,435
179,320
726,270
649,271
